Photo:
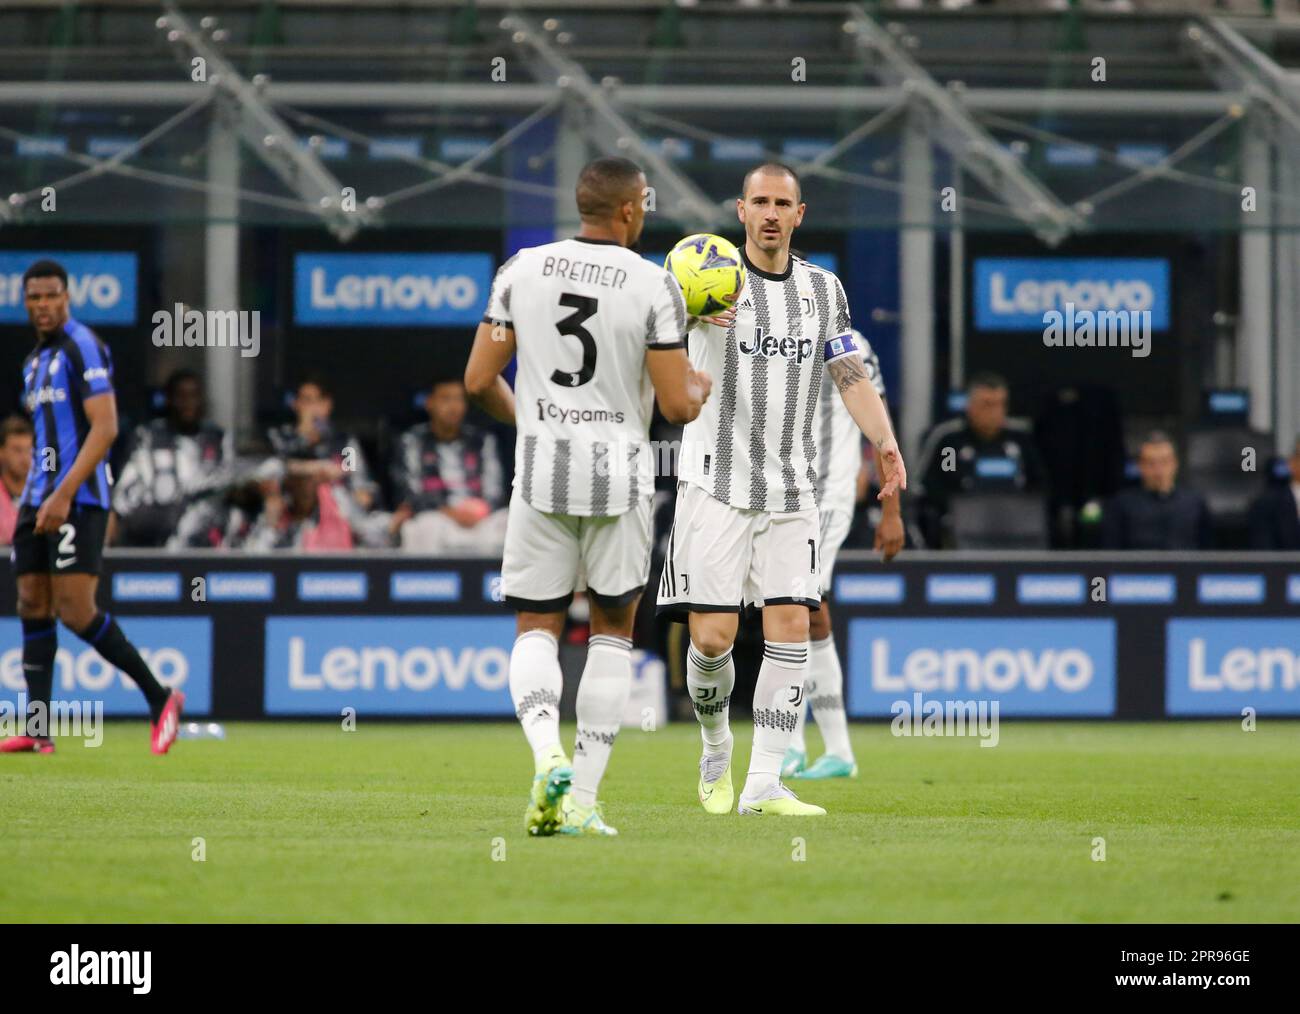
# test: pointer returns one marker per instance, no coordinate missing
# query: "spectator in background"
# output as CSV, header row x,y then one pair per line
x,y
303,512
169,460
224,517
1157,514
447,478
311,446
15,460
982,452
1275,516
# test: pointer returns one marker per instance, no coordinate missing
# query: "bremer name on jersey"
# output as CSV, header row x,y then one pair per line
x,y
58,376
584,312
754,444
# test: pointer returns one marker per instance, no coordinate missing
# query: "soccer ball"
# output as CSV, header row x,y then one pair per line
x,y
710,272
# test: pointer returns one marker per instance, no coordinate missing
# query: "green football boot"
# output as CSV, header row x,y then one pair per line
x,y
583,820
779,802
550,788
715,791
829,766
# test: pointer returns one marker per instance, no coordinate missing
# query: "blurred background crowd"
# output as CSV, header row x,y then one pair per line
x,y
436,480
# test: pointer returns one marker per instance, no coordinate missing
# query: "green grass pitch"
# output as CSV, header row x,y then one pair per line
x,y
306,822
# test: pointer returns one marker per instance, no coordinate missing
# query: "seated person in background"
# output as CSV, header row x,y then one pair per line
x,y
15,459
1275,516
223,517
447,479
311,446
1156,515
302,512
981,452
169,458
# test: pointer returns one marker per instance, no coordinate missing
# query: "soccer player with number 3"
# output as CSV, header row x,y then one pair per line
x,y
599,332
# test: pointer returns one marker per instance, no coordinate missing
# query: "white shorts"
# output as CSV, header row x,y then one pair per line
x,y
835,529
550,556
722,557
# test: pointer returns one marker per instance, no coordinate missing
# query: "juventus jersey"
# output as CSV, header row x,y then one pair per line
x,y
754,444
839,441
584,312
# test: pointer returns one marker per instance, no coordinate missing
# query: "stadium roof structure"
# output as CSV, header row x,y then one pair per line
x,y
425,105
370,115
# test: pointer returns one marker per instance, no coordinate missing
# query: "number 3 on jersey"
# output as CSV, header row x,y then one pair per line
x,y
584,308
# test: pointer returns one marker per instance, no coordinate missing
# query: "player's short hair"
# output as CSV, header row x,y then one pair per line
x,y
317,381
987,379
1158,437
15,425
46,269
178,377
605,184
772,169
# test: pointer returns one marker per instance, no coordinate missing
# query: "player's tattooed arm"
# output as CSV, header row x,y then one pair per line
x,y
847,371
869,411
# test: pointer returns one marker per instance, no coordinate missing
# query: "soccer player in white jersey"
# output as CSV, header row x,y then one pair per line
x,y
599,332
746,522
839,462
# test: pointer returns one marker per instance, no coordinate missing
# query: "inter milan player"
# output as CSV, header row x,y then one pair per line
x,y
63,515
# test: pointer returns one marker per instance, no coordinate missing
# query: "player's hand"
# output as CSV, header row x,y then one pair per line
x,y
53,512
890,536
706,385
890,460
723,320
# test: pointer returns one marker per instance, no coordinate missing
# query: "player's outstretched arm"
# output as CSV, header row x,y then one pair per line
x,y
101,413
681,389
494,347
871,415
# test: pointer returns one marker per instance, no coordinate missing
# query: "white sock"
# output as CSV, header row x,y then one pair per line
x,y
796,740
709,681
778,696
602,698
535,685
826,695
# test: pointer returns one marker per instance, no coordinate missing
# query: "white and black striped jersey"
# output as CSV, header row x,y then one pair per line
x,y
839,441
584,312
754,444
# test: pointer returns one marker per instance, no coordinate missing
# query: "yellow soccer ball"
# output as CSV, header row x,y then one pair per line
x,y
709,270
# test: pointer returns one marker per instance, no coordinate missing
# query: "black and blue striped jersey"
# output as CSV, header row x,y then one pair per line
x,y
59,375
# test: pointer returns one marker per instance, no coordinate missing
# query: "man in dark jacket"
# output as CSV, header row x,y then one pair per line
x,y
1157,515
1275,516
983,452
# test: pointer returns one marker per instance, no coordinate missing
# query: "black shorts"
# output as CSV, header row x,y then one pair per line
x,y
76,548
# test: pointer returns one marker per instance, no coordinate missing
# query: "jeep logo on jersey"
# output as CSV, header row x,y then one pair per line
x,y
769,345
